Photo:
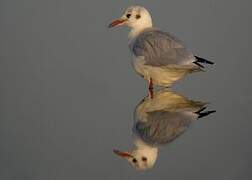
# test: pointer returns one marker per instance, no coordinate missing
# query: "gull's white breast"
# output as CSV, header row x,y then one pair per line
x,y
162,75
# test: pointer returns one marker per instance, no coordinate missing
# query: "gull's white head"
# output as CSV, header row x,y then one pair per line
x,y
136,17
141,158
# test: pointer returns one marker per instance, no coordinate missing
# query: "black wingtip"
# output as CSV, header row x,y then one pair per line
x,y
203,114
199,111
198,64
202,60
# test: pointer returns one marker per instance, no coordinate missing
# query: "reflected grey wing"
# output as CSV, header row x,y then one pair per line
x,y
163,126
161,49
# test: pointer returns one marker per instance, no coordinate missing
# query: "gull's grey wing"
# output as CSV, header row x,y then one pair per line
x,y
161,49
163,127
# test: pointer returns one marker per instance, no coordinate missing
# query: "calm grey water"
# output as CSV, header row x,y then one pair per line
x,y
68,92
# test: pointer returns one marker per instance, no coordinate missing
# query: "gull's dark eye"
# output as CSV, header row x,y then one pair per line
x,y
128,15
138,16
144,158
134,160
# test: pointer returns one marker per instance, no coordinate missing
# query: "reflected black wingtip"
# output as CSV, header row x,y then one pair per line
x,y
202,114
199,61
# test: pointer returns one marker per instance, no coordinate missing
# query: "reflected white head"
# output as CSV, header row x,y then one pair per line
x,y
142,158
137,18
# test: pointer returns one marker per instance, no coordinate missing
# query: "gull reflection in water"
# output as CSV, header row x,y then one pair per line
x,y
159,121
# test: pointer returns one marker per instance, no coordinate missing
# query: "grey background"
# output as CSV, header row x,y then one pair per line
x,y
68,91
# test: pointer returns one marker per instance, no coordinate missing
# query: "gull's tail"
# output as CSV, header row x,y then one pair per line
x,y
200,61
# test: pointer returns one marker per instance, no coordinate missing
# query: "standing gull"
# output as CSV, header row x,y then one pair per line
x,y
158,56
158,122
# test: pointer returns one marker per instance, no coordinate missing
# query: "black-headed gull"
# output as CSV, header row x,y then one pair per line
x,y
159,57
159,121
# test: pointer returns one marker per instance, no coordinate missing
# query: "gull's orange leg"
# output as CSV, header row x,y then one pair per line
x,y
150,88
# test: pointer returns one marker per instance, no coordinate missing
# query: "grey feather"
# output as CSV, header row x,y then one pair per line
x,y
161,49
163,126
163,118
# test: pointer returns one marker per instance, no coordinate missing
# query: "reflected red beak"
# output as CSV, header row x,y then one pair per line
x,y
122,154
117,22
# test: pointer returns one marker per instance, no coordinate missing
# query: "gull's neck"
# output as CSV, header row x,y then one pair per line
x,y
146,149
137,29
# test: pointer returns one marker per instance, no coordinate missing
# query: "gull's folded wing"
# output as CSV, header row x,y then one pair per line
x,y
161,49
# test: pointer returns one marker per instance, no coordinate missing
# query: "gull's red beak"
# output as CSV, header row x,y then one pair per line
x,y
122,154
117,22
